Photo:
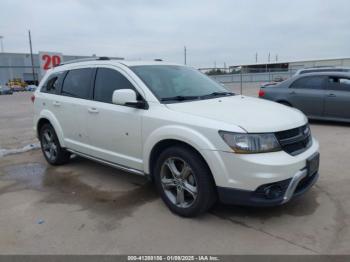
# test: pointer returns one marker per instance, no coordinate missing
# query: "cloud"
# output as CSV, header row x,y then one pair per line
x,y
213,31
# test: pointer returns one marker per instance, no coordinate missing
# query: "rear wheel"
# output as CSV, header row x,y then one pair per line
x,y
184,181
51,148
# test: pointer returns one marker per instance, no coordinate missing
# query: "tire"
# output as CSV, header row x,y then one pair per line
x,y
51,148
184,181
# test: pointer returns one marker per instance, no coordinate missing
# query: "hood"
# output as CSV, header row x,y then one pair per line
x,y
252,114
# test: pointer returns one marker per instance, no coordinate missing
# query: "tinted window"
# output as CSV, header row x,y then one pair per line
x,y
311,82
108,80
52,84
339,84
77,83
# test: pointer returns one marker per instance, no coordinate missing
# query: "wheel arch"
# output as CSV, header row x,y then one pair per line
x,y
161,145
48,117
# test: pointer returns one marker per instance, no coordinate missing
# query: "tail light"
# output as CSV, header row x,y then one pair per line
x,y
32,98
261,93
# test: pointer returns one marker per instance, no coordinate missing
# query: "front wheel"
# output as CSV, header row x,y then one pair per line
x,y
184,181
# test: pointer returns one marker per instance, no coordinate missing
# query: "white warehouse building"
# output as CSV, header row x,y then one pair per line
x,y
19,65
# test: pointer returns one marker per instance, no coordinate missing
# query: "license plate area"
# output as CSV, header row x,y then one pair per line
x,y
312,164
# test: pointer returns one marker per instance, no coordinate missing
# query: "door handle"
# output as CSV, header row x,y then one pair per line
x,y
292,92
56,103
331,95
93,110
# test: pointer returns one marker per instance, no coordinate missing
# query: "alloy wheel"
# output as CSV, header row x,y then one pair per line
x,y
179,182
49,146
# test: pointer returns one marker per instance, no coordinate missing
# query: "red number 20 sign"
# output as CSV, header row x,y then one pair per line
x,y
49,60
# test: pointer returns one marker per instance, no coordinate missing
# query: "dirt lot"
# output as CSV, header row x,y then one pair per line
x,y
87,208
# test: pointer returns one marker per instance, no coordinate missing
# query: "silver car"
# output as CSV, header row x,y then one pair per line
x,y
322,69
323,95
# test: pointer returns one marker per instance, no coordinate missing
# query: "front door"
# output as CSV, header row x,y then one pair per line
x,y
307,94
114,130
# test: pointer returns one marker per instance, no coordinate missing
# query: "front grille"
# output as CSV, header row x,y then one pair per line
x,y
295,141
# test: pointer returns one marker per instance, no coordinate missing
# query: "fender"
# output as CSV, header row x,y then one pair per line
x,y
54,122
175,132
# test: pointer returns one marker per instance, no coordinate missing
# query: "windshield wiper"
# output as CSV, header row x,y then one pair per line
x,y
179,98
214,94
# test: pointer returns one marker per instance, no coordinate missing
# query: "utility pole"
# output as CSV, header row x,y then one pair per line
x,y
185,55
241,80
277,58
269,66
2,44
31,55
256,57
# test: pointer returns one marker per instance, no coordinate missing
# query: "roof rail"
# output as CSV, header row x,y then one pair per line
x,y
85,60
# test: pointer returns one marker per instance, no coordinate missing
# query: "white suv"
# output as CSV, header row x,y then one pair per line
x,y
194,139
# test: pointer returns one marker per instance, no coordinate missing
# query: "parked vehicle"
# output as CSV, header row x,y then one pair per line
x,y
323,96
275,81
322,69
4,90
31,88
17,85
194,139
16,88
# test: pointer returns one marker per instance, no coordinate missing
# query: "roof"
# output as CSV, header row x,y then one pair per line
x,y
139,63
338,74
106,61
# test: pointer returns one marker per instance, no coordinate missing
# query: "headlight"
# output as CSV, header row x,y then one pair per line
x,y
250,143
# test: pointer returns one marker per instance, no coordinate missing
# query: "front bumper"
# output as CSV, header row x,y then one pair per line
x,y
291,188
242,178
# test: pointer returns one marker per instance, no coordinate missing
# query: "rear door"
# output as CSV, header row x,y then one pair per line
x,y
337,100
70,107
114,130
307,94
51,90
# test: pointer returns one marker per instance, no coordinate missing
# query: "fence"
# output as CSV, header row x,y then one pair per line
x,y
253,77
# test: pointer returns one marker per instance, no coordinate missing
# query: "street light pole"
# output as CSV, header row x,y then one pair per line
x,y
185,55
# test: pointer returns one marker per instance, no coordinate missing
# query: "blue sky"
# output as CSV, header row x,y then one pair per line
x,y
218,31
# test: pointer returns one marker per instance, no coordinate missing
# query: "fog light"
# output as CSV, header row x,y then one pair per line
x,y
273,191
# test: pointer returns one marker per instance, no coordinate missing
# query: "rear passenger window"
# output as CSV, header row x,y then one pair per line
x,y
77,83
52,84
107,81
310,82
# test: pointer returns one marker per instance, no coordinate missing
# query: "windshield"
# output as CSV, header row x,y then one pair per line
x,y
178,83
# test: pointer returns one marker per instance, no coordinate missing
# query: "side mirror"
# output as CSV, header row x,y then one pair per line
x,y
127,97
